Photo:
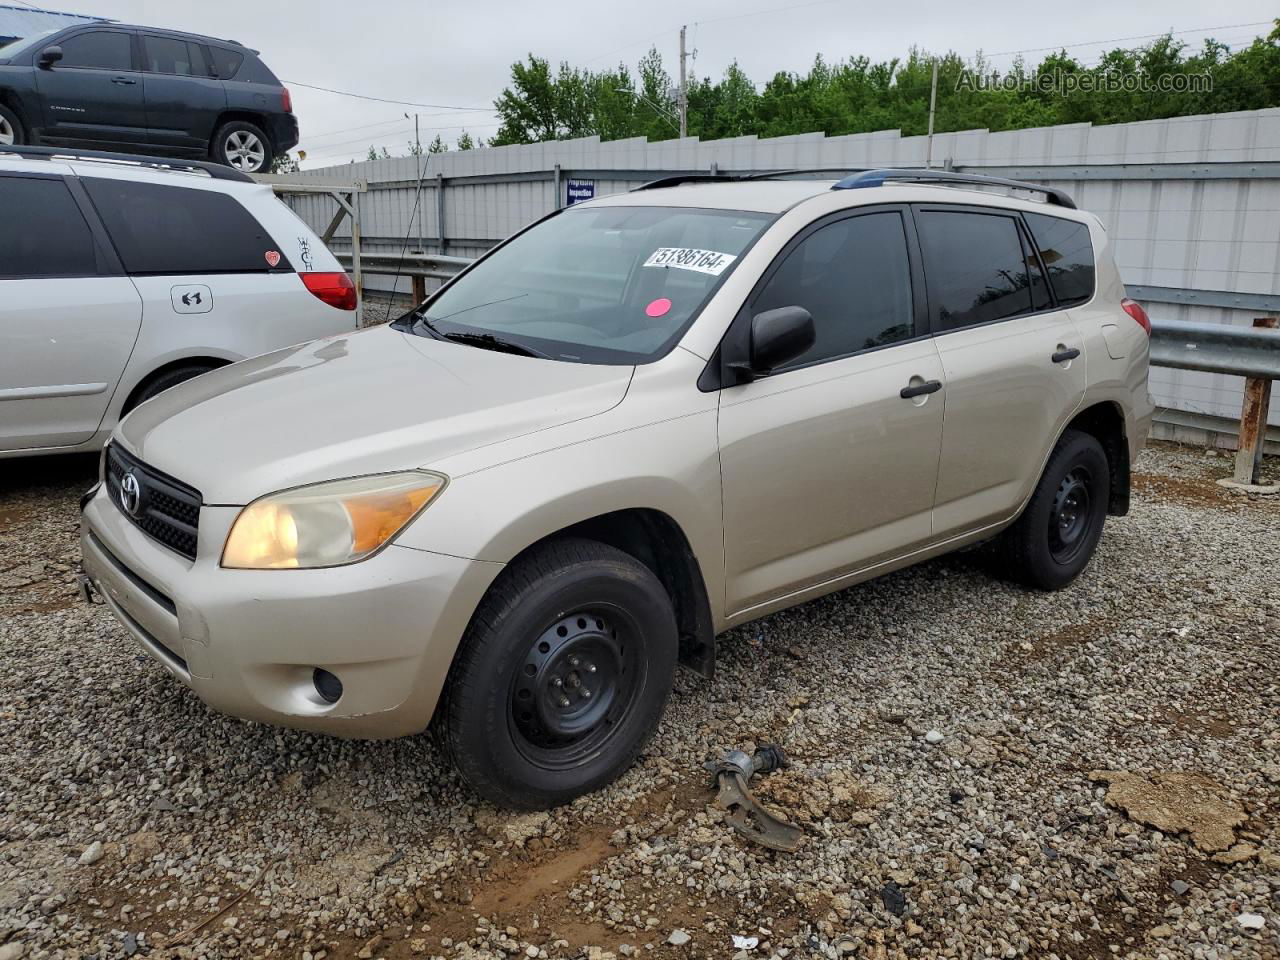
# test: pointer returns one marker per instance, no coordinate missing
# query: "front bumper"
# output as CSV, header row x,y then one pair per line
x,y
248,641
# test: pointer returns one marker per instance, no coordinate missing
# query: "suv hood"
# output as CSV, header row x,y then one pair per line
x,y
370,402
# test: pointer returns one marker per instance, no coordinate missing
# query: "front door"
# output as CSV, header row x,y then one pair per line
x,y
67,324
94,94
826,467
1014,366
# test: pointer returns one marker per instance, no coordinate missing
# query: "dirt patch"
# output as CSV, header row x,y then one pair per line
x,y
1189,491
1175,803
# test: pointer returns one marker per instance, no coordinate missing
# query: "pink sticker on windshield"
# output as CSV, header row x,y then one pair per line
x,y
658,308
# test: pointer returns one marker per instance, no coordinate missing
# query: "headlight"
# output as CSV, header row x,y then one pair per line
x,y
327,524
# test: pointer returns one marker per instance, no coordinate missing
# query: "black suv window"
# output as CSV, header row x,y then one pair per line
x,y
225,62
44,233
168,55
975,266
854,277
1067,252
98,49
159,229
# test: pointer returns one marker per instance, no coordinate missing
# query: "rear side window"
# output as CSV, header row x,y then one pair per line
x,y
99,50
44,233
854,277
975,267
177,57
160,229
1067,252
226,62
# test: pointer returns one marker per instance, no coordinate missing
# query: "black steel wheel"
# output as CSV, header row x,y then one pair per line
x,y
1058,531
561,677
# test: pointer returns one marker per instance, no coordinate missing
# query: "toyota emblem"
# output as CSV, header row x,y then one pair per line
x,y
130,494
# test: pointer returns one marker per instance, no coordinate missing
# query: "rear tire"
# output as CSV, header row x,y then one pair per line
x,y
166,380
12,133
1054,539
561,677
243,146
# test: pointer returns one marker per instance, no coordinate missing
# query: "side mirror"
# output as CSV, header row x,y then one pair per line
x,y
779,336
49,56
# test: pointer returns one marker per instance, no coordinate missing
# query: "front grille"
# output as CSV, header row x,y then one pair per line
x,y
166,510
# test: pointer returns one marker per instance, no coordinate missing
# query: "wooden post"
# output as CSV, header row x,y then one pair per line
x,y
1253,419
419,290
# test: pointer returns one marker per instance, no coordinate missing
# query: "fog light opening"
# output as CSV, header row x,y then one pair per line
x,y
327,685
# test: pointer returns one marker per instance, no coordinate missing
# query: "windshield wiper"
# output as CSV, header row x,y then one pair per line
x,y
487,341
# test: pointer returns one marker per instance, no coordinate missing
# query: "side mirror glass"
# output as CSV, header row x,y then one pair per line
x,y
779,336
49,56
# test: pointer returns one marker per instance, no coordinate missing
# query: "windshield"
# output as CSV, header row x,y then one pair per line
x,y
11,50
598,285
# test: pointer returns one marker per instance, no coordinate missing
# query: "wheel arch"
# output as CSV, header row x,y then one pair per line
x,y
145,381
658,541
248,116
1105,422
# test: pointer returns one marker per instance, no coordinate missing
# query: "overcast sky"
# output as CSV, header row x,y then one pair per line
x,y
459,54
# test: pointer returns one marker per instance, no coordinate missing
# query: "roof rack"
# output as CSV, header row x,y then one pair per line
x,y
215,170
679,178
801,171
876,178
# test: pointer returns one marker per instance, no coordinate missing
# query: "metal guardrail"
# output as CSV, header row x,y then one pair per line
x,y
1216,348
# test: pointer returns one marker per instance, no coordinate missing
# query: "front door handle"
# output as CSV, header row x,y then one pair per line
x,y
1063,355
123,80
920,389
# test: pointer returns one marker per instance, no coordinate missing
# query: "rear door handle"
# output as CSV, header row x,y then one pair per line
x,y
920,389
1062,356
123,80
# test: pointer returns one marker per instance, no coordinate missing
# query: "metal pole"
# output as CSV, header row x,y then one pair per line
x,y
933,105
684,94
440,208
417,148
355,256
1253,419
559,196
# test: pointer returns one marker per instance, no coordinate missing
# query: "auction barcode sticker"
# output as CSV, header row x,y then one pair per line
x,y
688,258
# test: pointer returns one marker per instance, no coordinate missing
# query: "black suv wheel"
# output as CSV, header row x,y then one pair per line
x,y
11,132
561,677
244,146
1058,531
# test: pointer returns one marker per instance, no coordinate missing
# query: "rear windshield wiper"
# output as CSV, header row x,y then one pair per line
x,y
488,341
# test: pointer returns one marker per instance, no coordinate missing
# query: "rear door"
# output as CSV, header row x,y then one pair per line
x,y
826,467
94,94
184,98
68,317
1013,361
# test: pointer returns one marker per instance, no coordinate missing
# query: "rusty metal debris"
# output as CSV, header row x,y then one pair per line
x,y
746,814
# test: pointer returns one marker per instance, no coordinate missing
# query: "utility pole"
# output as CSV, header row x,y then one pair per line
x,y
933,105
684,90
417,156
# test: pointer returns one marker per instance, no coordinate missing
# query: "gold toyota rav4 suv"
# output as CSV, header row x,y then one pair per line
x,y
641,421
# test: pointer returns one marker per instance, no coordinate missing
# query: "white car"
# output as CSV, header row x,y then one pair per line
x,y
123,276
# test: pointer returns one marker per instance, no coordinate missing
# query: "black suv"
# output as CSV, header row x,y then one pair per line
x,y
137,89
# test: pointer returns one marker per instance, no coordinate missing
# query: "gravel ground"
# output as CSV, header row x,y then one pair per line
x,y
979,772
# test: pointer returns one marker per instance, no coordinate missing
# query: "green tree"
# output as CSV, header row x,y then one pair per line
x,y
437,145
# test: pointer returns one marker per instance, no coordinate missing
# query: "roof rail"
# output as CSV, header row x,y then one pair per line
x,y
215,170
801,171
679,178
876,178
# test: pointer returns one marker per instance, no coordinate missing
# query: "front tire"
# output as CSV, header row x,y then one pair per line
x,y
243,146
561,677
1054,539
12,133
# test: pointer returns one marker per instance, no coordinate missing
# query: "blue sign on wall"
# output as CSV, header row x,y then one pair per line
x,y
579,190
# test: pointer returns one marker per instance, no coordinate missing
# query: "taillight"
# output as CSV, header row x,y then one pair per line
x,y
286,100
335,289
1134,309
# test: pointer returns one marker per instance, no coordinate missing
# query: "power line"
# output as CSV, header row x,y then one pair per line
x,y
401,103
1145,36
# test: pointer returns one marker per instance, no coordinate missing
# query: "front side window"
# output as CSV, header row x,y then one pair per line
x,y
1067,252
177,57
44,233
98,50
596,284
854,278
160,229
975,267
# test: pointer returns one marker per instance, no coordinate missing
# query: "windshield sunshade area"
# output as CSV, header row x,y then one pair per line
x,y
595,285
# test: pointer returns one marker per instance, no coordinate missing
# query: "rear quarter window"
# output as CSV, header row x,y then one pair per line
x,y
1067,252
226,62
161,229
